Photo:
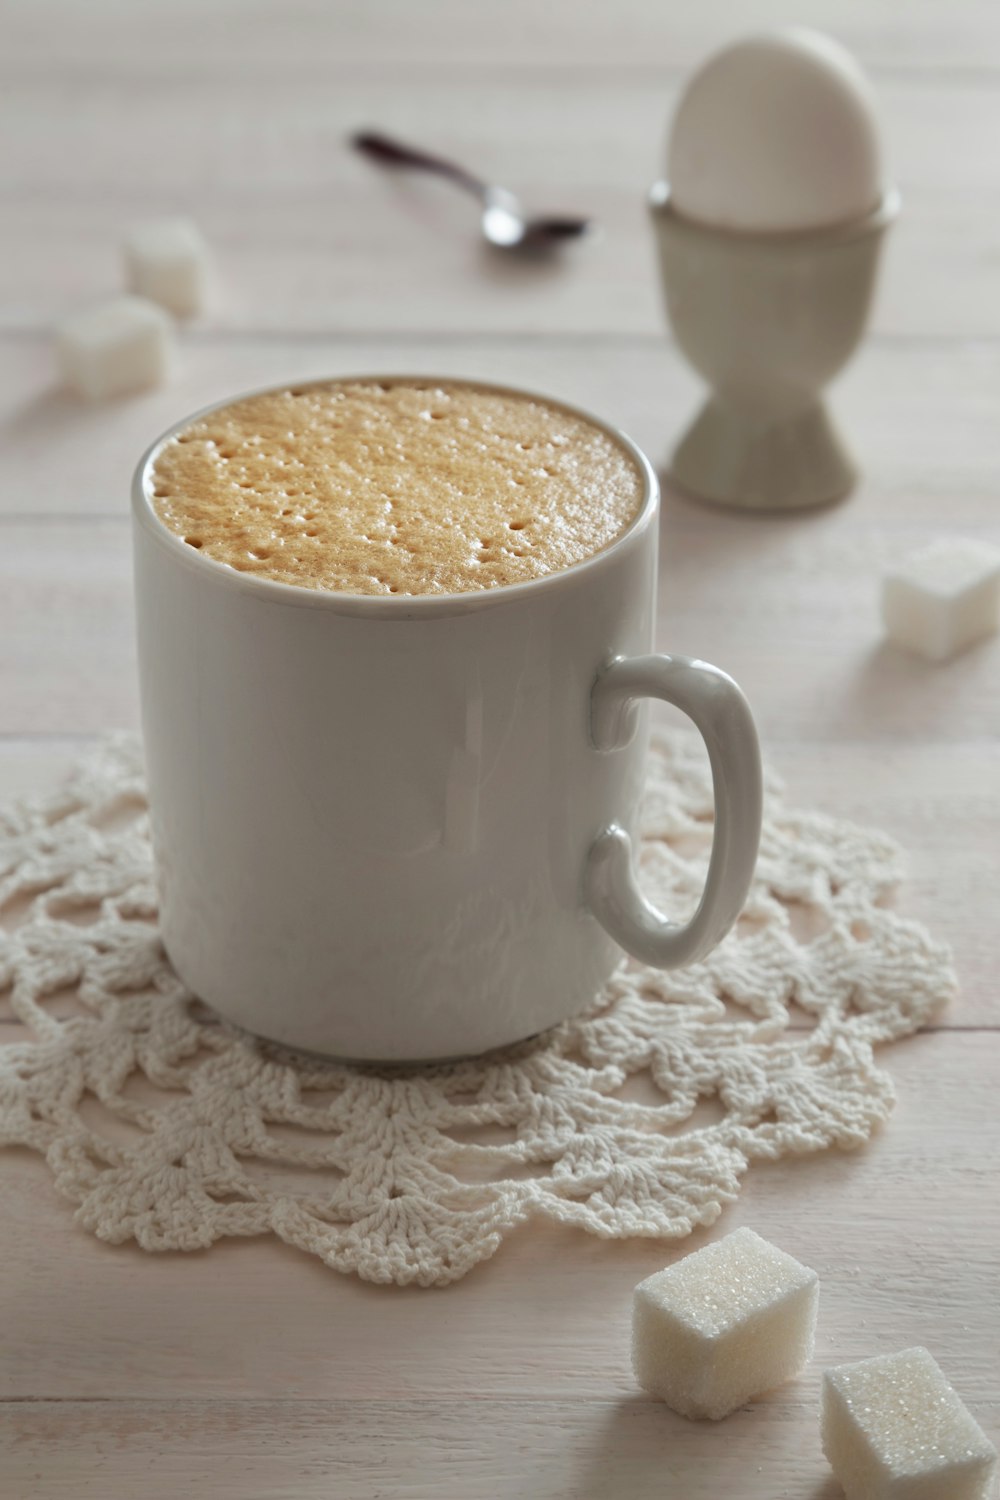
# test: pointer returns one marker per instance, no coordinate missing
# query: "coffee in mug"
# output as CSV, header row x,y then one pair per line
x,y
402,487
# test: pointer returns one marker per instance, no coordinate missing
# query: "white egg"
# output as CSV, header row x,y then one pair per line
x,y
776,132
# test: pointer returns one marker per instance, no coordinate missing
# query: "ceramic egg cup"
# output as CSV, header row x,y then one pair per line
x,y
767,320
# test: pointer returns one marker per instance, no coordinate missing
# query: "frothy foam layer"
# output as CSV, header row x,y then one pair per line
x,y
368,487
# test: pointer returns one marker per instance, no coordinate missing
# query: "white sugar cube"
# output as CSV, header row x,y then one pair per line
x,y
723,1325
893,1429
939,600
167,260
118,346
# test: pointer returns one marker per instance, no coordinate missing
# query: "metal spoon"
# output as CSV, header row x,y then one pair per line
x,y
504,222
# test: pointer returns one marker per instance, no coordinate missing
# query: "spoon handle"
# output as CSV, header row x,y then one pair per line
x,y
383,148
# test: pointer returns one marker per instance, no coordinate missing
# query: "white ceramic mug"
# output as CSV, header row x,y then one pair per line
x,y
401,828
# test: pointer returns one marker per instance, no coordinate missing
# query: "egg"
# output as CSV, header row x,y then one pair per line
x,y
776,133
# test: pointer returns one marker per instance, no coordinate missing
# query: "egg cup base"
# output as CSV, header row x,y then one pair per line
x,y
731,457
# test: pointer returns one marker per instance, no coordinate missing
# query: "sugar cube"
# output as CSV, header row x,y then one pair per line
x,y
118,346
939,600
167,261
723,1325
893,1429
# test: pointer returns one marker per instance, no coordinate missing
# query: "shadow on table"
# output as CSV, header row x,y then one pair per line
x,y
728,533
643,1451
754,515
56,409
630,1454
892,689
829,1489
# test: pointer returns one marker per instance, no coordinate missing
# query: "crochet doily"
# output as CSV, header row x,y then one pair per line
x,y
170,1128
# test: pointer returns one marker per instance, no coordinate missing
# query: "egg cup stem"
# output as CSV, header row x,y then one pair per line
x,y
767,320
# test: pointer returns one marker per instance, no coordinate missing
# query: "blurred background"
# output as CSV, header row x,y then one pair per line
x,y
237,111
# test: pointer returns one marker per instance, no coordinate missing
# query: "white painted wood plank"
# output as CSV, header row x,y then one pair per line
x,y
505,1450
903,1234
921,417
30,768
311,237
497,1450
300,38
67,658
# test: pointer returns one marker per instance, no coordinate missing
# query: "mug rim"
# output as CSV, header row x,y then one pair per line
x,y
399,606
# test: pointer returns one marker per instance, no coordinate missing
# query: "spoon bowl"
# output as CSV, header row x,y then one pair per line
x,y
504,223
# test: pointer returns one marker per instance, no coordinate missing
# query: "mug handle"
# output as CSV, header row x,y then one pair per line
x,y
718,708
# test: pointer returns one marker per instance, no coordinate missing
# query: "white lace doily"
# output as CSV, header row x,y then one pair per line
x,y
172,1129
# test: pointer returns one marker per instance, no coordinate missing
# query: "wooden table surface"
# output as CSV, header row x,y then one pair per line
x,y
250,1371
